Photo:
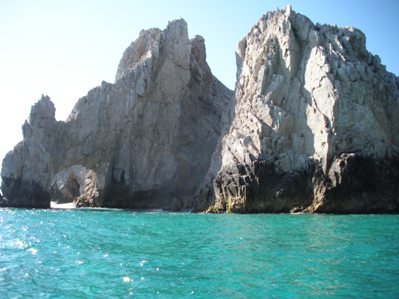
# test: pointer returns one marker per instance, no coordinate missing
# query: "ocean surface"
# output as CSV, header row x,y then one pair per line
x,y
118,254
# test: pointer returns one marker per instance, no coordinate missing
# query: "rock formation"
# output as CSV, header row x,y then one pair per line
x,y
315,125
144,142
311,128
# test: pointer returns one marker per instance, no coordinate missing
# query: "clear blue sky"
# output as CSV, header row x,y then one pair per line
x,y
65,48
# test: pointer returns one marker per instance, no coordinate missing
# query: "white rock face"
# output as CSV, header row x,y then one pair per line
x,y
145,141
306,94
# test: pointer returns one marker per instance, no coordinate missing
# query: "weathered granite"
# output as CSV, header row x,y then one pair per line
x,y
312,128
315,125
143,142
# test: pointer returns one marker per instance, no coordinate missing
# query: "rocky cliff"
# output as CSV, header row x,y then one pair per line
x,y
312,127
145,141
315,126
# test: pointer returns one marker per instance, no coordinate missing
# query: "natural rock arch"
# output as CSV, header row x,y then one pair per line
x,y
76,184
70,191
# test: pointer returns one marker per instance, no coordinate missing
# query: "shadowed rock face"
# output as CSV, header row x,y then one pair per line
x,y
312,127
315,127
143,142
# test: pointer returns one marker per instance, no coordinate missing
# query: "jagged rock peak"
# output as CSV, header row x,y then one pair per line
x,y
145,141
312,128
174,40
43,110
198,49
313,105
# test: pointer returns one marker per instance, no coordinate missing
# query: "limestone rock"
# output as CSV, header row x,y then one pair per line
x,y
315,125
145,141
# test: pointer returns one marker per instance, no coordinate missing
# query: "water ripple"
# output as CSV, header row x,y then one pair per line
x,y
83,254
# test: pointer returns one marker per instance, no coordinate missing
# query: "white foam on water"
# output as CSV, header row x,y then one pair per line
x,y
32,250
142,263
127,279
20,244
55,205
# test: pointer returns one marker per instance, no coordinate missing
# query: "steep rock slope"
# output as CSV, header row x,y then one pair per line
x,y
312,128
144,142
315,125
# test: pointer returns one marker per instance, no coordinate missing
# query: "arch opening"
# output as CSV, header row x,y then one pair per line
x,y
70,191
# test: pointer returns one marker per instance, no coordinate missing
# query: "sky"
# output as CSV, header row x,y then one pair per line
x,y
65,48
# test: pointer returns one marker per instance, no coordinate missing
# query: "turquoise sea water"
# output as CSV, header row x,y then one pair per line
x,y
117,254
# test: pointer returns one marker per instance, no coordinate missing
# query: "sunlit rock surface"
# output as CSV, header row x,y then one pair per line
x,y
145,141
312,127
315,125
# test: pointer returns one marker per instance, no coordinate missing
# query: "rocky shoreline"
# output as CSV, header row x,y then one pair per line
x,y
311,127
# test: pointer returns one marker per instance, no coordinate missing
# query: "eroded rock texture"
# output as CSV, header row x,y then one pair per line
x,y
315,125
144,142
312,127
